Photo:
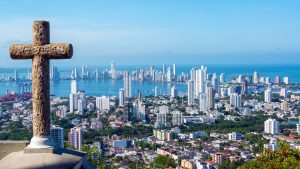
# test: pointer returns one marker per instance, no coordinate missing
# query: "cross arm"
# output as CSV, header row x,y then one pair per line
x,y
21,51
52,51
57,51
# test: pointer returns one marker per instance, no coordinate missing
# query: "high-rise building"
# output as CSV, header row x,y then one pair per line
x,y
200,81
71,102
235,100
173,92
255,77
298,127
75,137
82,96
193,78
218,158
202,102
222,78
97,74
174,71
127,85
155,91
142,112
271,126
58,136
190,92
113,73
102,103
161,119
16,78
164,69
268,96
267,80
277,80
283,92
240,79
215,83
177,118
210,98
74,87
286,80
1,112
169,74
284,105
55,75
121,97
80,109
29,77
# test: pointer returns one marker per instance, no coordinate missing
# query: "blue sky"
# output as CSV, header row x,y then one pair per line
x,y
156,32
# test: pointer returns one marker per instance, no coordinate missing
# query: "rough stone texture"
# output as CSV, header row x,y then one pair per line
x,y
63,159
40,51
40,96
41,33
50,51
9,146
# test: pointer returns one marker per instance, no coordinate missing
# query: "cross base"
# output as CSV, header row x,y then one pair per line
x,y
41,142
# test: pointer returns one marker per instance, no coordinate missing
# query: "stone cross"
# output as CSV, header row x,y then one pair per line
x,y
41,51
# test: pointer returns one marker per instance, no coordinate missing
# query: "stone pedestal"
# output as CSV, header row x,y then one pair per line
x,y
61,158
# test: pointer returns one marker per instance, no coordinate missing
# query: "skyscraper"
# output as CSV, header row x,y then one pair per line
x,y
222,78
121,97
215,83
174,71
235,100
161,119
268,96
210,98
16,78
283,92
193,78
155,91
162,115
58,136
102,103
298,127
177,118
271,126
190,92
127,85
55,75
202,102
74,87
173,92
75,137
113,73
169,75
277,80
71,102
286,80
255,77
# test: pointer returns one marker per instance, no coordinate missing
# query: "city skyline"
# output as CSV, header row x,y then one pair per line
x,y
230,32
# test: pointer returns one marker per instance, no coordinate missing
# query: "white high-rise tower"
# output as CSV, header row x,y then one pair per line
x,y
74,87
268,96
127,85
190,92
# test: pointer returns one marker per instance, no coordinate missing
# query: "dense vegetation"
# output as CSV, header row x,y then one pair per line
x,y
126,132
245,125
16,131
283,158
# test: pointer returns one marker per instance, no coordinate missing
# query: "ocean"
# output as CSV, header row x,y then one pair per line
x,y
111,87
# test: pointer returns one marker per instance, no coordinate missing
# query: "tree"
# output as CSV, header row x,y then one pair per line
x,y
94,157
284,157
162,161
